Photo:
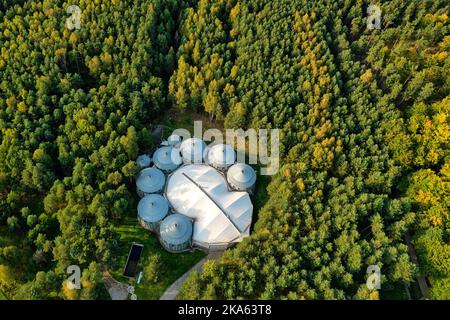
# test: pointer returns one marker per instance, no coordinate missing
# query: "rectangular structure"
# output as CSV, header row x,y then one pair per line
x,y
133,259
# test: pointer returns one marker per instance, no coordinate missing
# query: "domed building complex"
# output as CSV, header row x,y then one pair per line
x,y
221,217
205,202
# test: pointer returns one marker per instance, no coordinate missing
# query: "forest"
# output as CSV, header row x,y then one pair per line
x,y
364,116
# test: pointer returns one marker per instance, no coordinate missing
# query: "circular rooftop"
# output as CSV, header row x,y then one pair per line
x,y
150,180
193,150
242,176
143,161
221,155
176,229
167,158
153,208
174,140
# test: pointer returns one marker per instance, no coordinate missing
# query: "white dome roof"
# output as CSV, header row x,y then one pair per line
x,y
241,175
222,155
174,140
193,150
144,161
176,229
153,208
220,216
167,158
150,180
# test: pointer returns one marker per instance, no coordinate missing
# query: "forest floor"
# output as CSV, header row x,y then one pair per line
x,y
398,292
175,119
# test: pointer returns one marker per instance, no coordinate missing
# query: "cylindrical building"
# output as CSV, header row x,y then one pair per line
x,y
221,156
152,209
143,161
193,150
175,233
174,140
167,159
241,177
150,180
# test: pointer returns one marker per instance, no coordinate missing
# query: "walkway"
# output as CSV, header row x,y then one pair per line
x,y
116,289
174,289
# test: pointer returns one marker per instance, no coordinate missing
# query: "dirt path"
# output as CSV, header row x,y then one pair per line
x,y
421,280
174,289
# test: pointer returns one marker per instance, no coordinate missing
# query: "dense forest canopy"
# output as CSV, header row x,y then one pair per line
x,y
365,129
363,113
75,107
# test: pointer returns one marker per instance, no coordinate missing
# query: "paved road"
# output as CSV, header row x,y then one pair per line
x,y
174,289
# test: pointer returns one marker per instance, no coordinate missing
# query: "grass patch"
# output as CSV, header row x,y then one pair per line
x,y
176,119
261,196
398,292
172,265
185,120
2,296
